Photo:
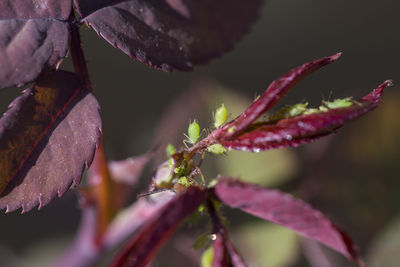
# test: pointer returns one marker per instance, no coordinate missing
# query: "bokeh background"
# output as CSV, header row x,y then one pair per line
x,y
352,176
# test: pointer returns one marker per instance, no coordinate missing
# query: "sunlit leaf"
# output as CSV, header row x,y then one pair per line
x,y
170,34
47,138
33,35
275,91
287,211
304,128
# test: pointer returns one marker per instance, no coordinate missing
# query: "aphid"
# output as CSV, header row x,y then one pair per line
x,y
193,132
231,129
323,108
181,169
297,109
339,103
220,116
185,181
311,111
216,149
170,150
289,112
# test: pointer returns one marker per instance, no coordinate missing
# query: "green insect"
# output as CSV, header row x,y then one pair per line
x,y
289,112
297,110
339,103
220,116
185,181
193,132
170,150
216,149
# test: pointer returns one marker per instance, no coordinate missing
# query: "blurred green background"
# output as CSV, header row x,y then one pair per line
x,y
352,176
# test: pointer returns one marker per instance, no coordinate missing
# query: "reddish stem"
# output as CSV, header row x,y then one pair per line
x,y
102,188
99,175
78,58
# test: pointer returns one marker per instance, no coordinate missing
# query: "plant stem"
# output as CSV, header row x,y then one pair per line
x,y
99,175
78,58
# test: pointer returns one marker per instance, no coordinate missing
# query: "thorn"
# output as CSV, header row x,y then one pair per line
x,y
40,201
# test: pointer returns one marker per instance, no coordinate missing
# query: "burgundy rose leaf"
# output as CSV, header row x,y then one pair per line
x,y
173,33
304,128
47,138
224,253
33,36
282,209
275,91
247,134
145,244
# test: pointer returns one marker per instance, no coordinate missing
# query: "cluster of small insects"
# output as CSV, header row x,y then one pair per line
x,y
302,108
178,172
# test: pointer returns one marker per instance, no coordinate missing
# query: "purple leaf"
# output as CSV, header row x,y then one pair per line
x,y
275,91
33,35
287,211
47,138
84,251
236,259
305,128
225,254
128,171
170,34
145,244
220,258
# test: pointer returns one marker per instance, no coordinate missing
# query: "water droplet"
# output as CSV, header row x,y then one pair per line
x,y
289,137
213,237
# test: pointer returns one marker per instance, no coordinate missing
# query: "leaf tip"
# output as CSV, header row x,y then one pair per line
x,y
376,94
335,56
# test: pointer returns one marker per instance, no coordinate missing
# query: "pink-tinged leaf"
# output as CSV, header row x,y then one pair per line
x,y
85,252
125,175
287,211
236,259
145,244
128,171
170,34
275,91
47,138
33,36
305,128
225,254
220,258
